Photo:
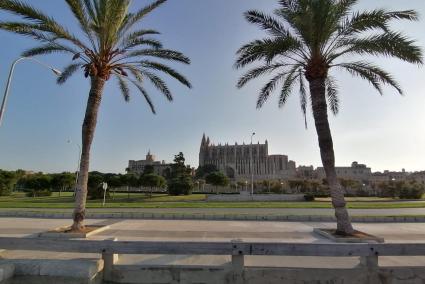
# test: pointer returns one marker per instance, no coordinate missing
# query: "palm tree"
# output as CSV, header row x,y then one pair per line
x,y
111,46
308,38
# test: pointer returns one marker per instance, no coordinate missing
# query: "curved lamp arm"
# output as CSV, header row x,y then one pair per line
x,y
9,80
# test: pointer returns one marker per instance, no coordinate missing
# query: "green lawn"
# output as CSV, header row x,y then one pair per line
x,y
139,200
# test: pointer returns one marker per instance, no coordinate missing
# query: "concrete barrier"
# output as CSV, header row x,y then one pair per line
x,y
366,271
255,197
7,270
84,271
130,274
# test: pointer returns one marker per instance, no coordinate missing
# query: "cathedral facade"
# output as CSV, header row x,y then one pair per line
x,y
236,162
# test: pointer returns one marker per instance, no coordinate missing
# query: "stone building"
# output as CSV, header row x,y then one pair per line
x,y
386,176
357,171
235,161
137,167
418,176
306,173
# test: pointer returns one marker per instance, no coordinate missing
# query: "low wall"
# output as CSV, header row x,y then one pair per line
x,y
255,197
256,275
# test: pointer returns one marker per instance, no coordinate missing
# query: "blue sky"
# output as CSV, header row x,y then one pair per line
x,y
385,132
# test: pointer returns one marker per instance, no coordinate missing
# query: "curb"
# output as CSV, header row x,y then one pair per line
x,y
206,216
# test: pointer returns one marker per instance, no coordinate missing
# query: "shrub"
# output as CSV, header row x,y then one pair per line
x,y
180,186
94,187
5,188
309,197
7,182
401,189
411,191
37,185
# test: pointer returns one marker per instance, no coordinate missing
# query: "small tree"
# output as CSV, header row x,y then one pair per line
x,y
180,185
7,182
217,179
95,190
148,169
204,170
62,181
179,177
130,180
152,181
114,181
37,185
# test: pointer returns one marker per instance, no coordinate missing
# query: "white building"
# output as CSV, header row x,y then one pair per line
x,y
138,167
357,171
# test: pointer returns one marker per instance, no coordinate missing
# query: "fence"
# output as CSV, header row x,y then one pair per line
x,y
368,253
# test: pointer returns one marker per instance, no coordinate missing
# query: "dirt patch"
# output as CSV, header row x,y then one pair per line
x,y
356,237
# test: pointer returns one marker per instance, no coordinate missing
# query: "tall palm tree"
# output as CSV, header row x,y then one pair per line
x,y
309,38
112,46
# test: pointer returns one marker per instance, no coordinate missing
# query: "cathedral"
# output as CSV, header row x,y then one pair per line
x,y
235,161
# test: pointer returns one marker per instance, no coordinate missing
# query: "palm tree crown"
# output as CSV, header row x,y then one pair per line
x,y
307,38
112,44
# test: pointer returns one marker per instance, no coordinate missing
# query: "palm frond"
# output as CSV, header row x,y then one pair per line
x,y
145,95
43,22
78,9
136,17
256,72
135,71
159,84
266,49
268,89
31,30
166,69
48,49
268,23
68,72
303,97
372,73
332,94
125,91
287,88
390,44
137,34
160,53
142,41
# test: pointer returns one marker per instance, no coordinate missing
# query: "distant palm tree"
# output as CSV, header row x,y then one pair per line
x,y
306,39
112,45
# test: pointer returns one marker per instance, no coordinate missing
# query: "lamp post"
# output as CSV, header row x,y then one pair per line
x,y
252,169
9,80
78,165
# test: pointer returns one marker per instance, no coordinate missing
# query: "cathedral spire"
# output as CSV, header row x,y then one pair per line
x,y
203,140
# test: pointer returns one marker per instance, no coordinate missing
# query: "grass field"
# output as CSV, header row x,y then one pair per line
x,y
140,200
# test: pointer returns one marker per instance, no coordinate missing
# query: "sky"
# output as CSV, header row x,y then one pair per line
x,y
384,132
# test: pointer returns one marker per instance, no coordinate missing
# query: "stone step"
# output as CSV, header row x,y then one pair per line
x,y
85,271
7,271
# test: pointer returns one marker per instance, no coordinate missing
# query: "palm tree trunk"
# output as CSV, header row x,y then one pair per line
x,y
89,126
318,100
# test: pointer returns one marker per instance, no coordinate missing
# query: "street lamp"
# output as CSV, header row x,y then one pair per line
x,y
252,170
78,165
9,80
